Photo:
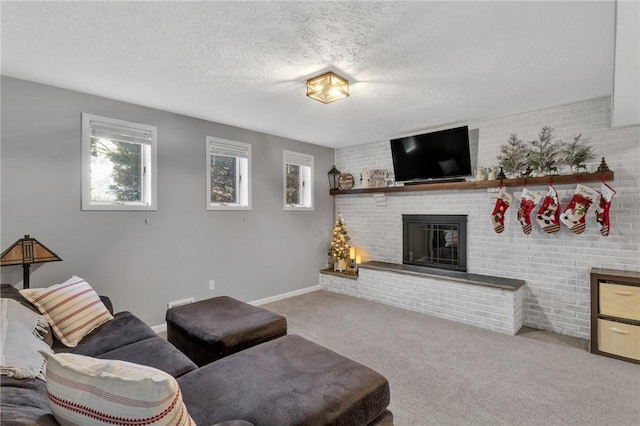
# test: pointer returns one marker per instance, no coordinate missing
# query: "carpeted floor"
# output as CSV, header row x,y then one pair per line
x,y
445,373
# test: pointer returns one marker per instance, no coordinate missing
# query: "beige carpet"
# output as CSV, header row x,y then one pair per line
x,y
445,373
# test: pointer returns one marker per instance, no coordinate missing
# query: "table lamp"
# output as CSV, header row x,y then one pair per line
x,y
24,252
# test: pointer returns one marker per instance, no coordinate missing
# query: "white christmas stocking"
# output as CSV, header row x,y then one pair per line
x,y
574,215
528,201
602,212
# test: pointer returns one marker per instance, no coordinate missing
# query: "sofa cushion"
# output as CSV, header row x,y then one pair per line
x,y
154,352
286,381
90,391
124,329
73,309
25,402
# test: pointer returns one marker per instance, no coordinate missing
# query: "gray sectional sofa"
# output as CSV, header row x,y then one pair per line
x,y
286,381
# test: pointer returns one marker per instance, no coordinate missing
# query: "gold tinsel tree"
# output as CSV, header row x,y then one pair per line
x,y
339,249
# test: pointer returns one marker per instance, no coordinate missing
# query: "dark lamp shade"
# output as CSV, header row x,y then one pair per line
x,y
24,252
27,250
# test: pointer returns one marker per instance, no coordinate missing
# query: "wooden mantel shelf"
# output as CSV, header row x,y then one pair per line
x,y
540,180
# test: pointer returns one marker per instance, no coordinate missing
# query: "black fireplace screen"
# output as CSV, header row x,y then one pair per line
x,y
435,241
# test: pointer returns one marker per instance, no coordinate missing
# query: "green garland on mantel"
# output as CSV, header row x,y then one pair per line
x,y
543,155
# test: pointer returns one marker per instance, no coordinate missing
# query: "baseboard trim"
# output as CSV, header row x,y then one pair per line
x,y
162,328
285,295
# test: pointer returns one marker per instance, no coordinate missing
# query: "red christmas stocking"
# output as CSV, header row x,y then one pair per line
x,y
602,212
528,201
548,216
502,204
574,215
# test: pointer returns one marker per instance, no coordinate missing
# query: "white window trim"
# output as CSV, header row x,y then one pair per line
x,y
210,140
299,159
150,190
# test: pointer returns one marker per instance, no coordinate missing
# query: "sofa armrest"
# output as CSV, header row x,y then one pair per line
x,y
107,303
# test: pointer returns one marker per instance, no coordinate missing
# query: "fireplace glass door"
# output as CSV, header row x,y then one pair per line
x,y
436,241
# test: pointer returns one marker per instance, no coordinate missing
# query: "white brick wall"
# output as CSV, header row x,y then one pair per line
x,y
487,307
555,267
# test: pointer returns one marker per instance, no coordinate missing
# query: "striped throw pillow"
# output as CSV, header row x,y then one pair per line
x,y
72,309
91,391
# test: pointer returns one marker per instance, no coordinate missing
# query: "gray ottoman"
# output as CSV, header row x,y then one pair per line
x,y
289,381
211,329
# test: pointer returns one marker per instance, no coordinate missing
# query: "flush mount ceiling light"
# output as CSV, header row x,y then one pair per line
x,y
327,88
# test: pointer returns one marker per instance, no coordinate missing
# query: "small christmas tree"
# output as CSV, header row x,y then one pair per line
x,y
603,167
543,154
513,155
339,249
574,154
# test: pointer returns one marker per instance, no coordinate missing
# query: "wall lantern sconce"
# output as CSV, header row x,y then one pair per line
x,y
334,177
24,252
327,87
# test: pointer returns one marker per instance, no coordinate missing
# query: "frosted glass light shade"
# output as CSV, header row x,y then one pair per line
x,y
327,88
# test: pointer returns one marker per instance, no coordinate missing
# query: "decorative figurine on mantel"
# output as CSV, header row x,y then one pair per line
x,y
481,173
603,167
339,248
492,173
527,172
501,174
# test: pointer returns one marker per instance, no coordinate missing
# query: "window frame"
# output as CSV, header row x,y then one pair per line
x,y
212,141
302,160
150,166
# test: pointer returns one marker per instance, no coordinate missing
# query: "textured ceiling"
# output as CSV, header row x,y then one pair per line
x,y
413,66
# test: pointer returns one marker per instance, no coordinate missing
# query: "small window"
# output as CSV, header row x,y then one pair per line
x,y
298,181
228,175
119,163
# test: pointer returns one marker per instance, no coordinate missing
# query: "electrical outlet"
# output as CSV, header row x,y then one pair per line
x,y
212,284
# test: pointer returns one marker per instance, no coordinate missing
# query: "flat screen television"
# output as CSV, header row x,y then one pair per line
x,y
441,155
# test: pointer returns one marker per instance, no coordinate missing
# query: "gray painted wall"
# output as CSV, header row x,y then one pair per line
x,y
251,254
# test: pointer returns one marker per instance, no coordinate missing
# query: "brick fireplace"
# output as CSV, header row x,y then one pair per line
x,y
555,266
